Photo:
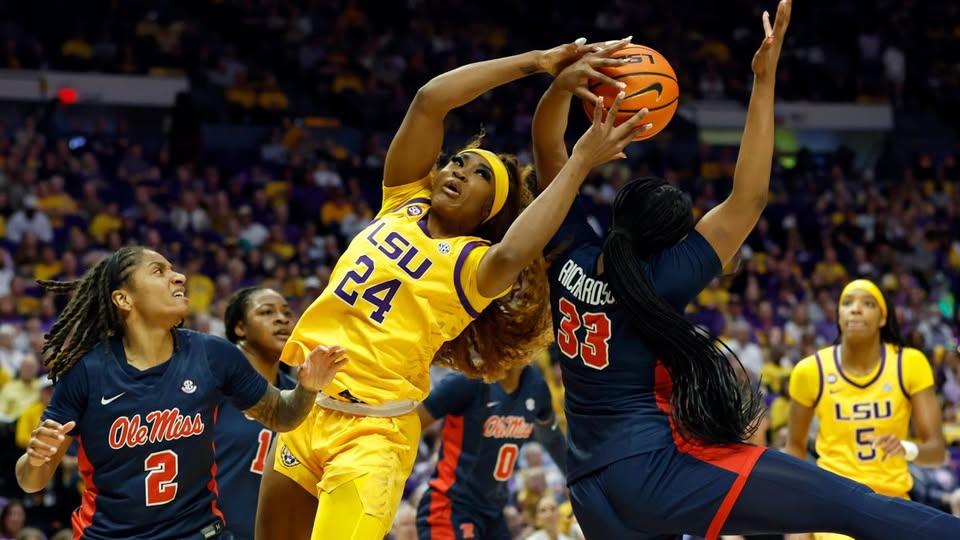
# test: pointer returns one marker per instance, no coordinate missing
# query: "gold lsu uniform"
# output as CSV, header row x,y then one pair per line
x,y
394,298
854,410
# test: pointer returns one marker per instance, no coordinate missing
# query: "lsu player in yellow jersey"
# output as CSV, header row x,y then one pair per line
x,y
436,277
864,392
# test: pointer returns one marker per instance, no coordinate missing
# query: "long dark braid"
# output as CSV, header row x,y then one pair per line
x,y
709,402
90,316
890,332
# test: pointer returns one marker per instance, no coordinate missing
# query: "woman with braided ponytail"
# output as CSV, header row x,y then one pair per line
x,y
140,395
657,417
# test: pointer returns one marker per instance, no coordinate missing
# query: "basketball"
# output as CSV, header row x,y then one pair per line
x,y
651,83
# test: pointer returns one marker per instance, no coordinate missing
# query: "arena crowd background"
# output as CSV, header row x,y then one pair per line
x,y
244,139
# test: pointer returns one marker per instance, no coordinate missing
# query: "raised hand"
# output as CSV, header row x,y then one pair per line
x,y
321,365
46,441
554,60
604,141
765,60
576,77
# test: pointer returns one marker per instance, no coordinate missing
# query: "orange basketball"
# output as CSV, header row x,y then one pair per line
x,y
651,83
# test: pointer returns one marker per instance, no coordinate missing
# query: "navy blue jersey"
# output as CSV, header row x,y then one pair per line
x,y
145,438
242,446
608,372
483,430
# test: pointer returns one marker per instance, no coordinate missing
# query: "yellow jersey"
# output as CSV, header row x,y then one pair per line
x,y
394,298
854,410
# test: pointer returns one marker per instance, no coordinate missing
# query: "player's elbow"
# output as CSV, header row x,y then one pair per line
x,y
429,100
934,453
27,476
749,201
797,449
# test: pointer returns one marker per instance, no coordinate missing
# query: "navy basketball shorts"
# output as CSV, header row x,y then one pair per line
x,y
439,519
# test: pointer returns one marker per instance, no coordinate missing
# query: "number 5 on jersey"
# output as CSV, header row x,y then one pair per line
x,y
594,350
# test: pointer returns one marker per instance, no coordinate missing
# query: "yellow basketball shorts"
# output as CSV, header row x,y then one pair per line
x,y
331,448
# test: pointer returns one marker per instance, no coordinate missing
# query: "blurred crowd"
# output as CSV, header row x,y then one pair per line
x,y
364,58
67,200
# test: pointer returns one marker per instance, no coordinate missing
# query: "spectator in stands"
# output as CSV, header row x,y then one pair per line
x,y
10,356
12,519
548,520
29,220
30,418
19,394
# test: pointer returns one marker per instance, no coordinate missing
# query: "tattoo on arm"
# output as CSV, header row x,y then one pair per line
x,y
283,410
530,69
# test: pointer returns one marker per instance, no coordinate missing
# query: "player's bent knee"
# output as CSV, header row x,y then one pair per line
x,y
340,514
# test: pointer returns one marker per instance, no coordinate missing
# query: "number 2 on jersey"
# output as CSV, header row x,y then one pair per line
x,y
379,295
594,350
160,486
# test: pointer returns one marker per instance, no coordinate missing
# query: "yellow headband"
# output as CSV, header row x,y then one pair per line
x,y
501,180
870,288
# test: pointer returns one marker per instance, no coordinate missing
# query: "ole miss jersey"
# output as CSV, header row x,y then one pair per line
x,y
242,449
609,376
145,438
483,430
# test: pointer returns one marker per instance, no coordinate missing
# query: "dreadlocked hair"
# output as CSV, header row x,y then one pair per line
x,y
236,311
889,333
89,317
516,326
709,403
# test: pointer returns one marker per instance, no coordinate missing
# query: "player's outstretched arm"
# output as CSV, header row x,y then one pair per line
x,y
284,410
550,118
536,225
727,226
48,443
418,141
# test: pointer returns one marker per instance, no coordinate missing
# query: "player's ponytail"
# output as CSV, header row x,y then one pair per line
x,y
90,316
709,403
890,332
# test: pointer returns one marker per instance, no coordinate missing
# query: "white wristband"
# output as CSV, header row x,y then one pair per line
x,y
910,450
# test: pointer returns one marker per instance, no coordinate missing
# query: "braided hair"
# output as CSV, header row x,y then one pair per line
x,y
90,316
709,403
236,311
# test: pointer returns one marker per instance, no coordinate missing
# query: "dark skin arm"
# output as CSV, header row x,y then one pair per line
x,y
928,425
48,443
283,410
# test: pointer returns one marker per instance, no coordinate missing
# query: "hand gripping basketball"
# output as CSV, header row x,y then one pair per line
x,y
648,82
604,140
577,77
